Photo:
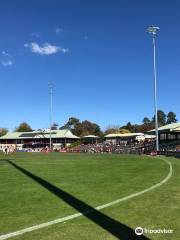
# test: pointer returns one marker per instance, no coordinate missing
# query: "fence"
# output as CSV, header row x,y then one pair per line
x,y
170,153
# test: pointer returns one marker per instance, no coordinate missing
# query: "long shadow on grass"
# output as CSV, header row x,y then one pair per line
x,y
116,228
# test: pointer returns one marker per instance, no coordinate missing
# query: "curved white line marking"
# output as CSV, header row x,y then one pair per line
x,y
59,220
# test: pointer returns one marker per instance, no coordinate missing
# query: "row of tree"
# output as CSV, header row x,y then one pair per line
x,y
146,125
82,128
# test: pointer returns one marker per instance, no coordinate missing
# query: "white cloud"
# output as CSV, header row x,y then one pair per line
x,y
6,63
58,30
45,49
6,54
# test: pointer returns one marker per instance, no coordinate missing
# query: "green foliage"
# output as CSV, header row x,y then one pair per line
x,y
3,131
146,120
130,127
161,118
23,127
148,125
123,130
171,118
115,130
54,126
145,127
82,128
111,129
90,128
135,128
71,124
75,144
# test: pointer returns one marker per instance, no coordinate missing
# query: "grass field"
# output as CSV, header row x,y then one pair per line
x,y
37,188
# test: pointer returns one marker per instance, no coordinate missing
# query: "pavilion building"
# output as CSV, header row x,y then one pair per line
x,y
118,138
169,133
90,139
38,138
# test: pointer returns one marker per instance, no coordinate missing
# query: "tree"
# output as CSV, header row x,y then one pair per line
x,y
97,130
111,129
91,128
171,118
54,126
123,131
3,131
145,127
78,129
161,118
116,130
23,127
129,127
74,125
146,120
71,124
82,128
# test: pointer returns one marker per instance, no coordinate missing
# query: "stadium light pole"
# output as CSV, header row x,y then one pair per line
x,y
50,85
153,31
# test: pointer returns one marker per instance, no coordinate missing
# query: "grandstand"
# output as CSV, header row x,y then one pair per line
x,y
118,138
169,136
169,133
38,138
90,139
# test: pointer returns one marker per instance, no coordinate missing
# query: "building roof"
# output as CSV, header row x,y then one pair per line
x,y
40,134
148,136
11,135
173,127
114,135
90,136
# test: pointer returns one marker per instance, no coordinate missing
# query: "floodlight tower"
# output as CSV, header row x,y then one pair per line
x,y
50,85
153,31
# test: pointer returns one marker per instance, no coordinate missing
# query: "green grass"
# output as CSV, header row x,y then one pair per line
x,y
95,180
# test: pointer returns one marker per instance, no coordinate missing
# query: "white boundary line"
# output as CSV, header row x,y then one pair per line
x,y
60,220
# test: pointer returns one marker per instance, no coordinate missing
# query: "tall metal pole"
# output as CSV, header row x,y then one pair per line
x,y
51,113
153,30
155,93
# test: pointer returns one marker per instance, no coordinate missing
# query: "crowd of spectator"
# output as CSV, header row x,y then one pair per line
x,y
136,147
142,147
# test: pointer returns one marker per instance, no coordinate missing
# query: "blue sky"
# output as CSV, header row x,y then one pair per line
x,y
98,55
